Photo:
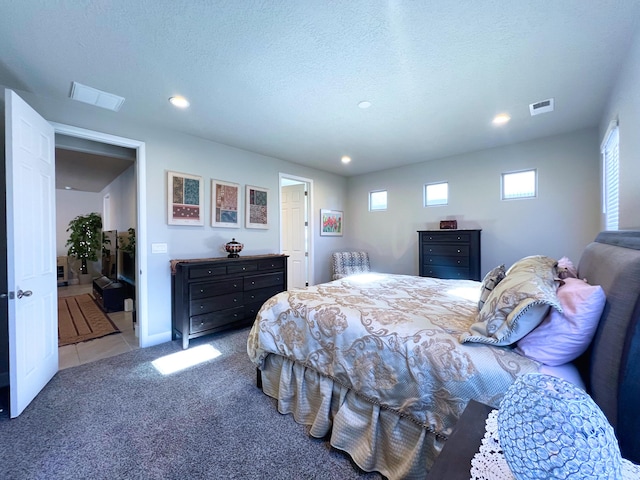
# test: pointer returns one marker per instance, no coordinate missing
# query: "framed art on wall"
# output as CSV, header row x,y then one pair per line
x,y
256,207
225,204
185,199
331,223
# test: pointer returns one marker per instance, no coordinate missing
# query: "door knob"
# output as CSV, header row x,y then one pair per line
x,y
21,294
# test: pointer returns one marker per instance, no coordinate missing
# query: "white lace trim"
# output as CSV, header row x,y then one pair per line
x,y
489,463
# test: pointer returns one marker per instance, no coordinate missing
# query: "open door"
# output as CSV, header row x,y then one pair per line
x,y
31,252
293,201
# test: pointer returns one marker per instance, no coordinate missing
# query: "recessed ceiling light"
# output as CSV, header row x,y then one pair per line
x,y
179,101
346,159
364,104
67,187
501,119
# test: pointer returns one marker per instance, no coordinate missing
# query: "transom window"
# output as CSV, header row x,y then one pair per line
x,y
521,184
377,200
436,194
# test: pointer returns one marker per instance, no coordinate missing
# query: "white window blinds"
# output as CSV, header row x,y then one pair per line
x,y
611,175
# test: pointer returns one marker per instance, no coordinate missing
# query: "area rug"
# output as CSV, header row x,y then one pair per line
x,y
81,319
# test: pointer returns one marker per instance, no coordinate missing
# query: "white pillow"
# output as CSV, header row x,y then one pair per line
x,y
563,337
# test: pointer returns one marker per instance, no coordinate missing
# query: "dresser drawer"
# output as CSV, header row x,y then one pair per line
x,y
211,304
209,289
243,267
261,294
430,260
260,281
271,264
446,272
446,250
209,271
447,237
200,323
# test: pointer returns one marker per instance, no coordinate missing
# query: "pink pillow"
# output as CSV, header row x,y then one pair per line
x,y
563,337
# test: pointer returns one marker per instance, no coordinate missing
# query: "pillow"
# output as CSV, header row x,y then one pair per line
x,y
489,282
517,304
563,337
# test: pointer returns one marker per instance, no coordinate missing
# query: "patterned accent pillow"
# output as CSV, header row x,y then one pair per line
x,y
489,282
518,303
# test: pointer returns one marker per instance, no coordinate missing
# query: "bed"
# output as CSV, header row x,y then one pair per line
x,y
384,365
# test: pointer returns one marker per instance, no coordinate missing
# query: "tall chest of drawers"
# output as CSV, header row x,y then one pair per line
x,y
220,293
449,254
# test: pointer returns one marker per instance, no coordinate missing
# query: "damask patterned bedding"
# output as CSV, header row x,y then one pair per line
x,y
393,341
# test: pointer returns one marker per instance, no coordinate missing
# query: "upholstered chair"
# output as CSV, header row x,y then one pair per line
x,y
349,263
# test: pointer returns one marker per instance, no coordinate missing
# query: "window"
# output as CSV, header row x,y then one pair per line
x,y
436,194
519,185
377,200
611,177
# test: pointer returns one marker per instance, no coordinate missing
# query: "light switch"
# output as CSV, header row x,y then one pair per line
x,y
158,248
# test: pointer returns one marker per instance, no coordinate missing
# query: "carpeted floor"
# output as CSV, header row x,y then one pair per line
x,y
120,418
81,319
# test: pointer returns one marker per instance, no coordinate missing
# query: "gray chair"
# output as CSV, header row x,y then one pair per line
x,y
349,263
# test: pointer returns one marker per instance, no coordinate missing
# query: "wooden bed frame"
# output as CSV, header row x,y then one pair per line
x,y
611,366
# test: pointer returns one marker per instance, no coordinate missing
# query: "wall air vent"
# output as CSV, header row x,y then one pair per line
x,y
543,106
96,97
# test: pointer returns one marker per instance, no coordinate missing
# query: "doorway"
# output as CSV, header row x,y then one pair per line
x,y
138,280
296,229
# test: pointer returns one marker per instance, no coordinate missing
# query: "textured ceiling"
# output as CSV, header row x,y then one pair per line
x,y
283,78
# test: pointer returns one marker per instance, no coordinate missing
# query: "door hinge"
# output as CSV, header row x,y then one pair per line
x,y
306,254
306,284
306,224
305,194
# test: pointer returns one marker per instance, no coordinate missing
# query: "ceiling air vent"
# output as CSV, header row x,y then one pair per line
x,y
96,97
541,107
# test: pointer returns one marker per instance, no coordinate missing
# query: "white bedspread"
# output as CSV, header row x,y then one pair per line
x,y
392,339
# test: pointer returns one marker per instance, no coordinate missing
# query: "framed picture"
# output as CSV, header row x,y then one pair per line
x,y
256,207
225,204
331,223
185,199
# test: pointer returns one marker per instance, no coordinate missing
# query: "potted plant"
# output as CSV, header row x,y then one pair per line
x,y
85,240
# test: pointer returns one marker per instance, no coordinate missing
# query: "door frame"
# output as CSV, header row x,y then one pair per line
x,y
142,311
310,223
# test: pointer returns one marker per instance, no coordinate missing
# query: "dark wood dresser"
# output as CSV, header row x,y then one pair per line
x,y
449,254
219,293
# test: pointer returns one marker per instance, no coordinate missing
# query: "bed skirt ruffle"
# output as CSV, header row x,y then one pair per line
x,y
377,439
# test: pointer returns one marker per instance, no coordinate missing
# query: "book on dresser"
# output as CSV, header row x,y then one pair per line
x,y
210,295
449,254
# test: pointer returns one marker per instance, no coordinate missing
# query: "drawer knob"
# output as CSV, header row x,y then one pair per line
x,y
253,283
458,250
235,299
430,250
277,278
202,323
458,262
430,238
209,272
235,286
202,290
459,238
201,307
244,268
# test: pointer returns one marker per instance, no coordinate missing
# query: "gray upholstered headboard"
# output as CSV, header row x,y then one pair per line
x,y
611,366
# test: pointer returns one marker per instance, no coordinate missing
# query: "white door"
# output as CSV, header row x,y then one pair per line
x,y
31,252
293,234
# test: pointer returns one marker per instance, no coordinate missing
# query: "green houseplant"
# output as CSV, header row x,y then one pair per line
x,y
85,239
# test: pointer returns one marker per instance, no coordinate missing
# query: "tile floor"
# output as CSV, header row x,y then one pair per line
x,y
85,352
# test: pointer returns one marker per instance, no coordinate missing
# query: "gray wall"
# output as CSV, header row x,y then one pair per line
x,y
560,221
624,104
